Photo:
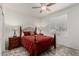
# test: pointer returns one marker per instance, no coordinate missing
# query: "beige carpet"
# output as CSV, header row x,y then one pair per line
x,y
60,51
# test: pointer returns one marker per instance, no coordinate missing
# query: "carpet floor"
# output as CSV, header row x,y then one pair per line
x,y
59,51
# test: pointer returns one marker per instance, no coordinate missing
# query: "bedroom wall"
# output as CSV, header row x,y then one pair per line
x,y
0,30
70,17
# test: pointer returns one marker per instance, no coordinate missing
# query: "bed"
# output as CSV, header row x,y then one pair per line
x,y
37,43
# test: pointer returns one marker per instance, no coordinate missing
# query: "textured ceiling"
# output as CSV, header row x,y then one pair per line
x,y
26,8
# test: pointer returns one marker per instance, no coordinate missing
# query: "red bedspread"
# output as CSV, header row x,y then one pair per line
x,y
35,47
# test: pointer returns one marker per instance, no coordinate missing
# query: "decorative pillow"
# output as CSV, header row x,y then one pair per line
x,y
26,33
32,33
41,34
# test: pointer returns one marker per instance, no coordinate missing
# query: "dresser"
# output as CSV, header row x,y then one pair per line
x,y
14,42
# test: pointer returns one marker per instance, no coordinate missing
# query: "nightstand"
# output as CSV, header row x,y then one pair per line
x,y
14,42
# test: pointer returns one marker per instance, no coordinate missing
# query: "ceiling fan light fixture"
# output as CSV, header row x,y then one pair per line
x,y
43,8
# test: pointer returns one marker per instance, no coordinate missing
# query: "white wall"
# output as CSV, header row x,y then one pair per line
x,y
70,37
0,30
73,23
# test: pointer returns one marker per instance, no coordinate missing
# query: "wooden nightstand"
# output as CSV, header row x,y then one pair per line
x,y
14,42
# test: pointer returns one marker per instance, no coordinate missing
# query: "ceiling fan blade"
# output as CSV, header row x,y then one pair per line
x,y
36,7
48,9
50,4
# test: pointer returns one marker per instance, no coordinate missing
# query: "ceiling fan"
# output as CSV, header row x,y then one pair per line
x,y
44,6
